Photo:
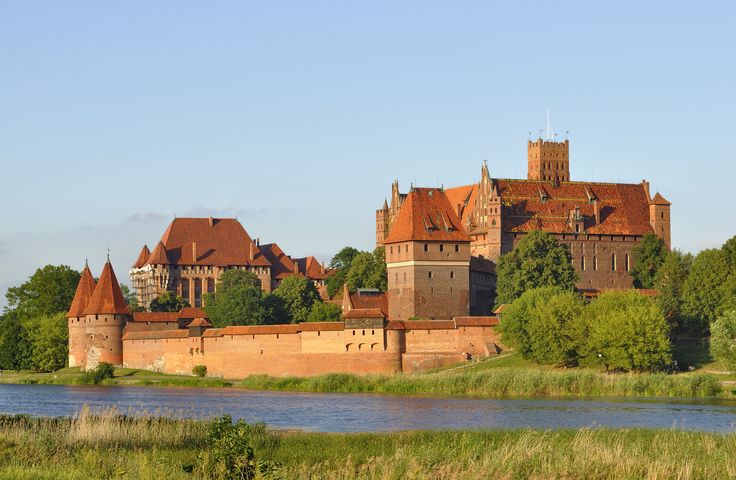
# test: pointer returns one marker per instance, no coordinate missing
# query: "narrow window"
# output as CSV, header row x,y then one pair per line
x,y
457,247
426,247
582,263
595,263
406,248
613,262
452,274
628,264
429,274
442,248
391,250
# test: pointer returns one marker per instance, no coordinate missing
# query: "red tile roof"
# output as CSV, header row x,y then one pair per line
x,y
465,197
365,313
624,208
107,297
85,289
199,322
191,312
420,325
312,268
209,241
154,317
282,265
370,301
142,257
158,256
322,326
427,214
155,334
476,321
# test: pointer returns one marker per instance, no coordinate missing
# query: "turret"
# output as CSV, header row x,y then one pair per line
x,y
106,315
659,218
548,160
76,318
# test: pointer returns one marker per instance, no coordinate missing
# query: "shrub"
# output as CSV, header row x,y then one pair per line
x,y
101,372
200,370
723,340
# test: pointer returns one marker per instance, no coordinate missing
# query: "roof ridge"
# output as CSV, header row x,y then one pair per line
x,y
107,297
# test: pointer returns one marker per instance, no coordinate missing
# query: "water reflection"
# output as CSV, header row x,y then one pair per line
x,y
356,413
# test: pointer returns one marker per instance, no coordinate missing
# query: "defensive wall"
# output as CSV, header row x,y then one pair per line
x,y
369,346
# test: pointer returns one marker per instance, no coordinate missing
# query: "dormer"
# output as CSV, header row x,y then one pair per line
x,y
576,221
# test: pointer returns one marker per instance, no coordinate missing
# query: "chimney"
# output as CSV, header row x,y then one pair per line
x,y
212,221
645,184
597,211
296,266
251,251
194,252
258,242
322,267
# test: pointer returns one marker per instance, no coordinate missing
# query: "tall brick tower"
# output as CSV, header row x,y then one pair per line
x,y
428,259
659,217
548,161
105,318
77,319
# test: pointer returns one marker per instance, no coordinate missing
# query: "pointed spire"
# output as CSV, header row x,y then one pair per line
x,y
142,257
107,297
85,289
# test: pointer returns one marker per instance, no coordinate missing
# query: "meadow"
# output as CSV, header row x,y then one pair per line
x,y
110,445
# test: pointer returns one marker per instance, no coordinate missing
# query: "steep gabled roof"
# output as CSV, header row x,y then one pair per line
x,y
427,215
142,257
210,241
107,297
85,290
312,268
282,265
158,256
659,200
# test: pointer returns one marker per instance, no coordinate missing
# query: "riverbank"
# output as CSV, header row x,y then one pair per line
x,y
505,377
113,446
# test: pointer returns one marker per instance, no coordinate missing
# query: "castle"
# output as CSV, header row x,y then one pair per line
x,y
193,253
599,222
441,248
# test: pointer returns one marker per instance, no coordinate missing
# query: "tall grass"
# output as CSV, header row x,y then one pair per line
x,y
501,382
110,445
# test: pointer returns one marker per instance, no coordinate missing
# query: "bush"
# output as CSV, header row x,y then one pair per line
x,y
723,340
200,370
101,372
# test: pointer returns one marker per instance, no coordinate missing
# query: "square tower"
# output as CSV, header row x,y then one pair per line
x,y
548,161
428,259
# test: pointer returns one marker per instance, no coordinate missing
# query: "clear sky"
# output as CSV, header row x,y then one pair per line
x,y
296,116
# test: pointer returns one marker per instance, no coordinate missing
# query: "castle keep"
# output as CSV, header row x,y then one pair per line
x,y
599,222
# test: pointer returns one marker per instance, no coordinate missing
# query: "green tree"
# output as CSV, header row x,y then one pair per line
x,y
324,312
544,325
238,300
48,291
13,347
626,331
49,340
729,252
168,302
131,300
340,263
298,294
669,282
704,289
368,270
723,339
275,310
648,255
539,260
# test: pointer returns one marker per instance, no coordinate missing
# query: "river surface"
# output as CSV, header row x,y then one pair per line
x,y
326,412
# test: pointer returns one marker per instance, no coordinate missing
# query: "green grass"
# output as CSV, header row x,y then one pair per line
x,y
122,376
124,447
501,382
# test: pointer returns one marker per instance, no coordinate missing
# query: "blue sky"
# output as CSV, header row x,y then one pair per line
x,y
296,116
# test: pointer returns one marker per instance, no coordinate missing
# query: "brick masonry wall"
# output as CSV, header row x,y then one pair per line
x,y
369,351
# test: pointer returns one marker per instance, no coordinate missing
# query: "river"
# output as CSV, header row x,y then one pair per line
x,y
326,412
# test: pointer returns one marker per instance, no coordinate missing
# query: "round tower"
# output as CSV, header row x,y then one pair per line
x,y
77,320
105,318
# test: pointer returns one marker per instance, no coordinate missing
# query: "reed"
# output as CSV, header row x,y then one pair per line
x,y
501,382
107,444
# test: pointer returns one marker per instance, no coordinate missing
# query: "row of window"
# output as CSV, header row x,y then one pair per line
x,y
426,248
614,266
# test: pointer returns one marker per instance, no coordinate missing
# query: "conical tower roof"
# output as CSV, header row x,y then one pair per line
x,y
142,257
108,298
85,289
158,256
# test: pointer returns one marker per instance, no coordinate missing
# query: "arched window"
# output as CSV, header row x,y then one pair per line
x,y
582,263
595,263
